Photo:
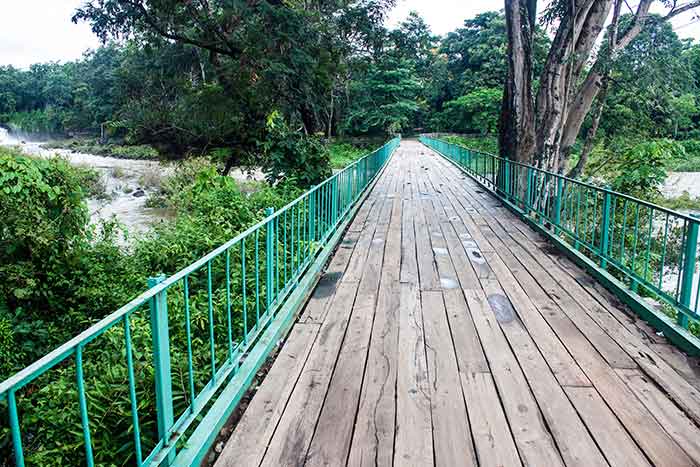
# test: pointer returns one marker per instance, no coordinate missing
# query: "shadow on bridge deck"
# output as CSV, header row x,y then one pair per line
x,y
446,332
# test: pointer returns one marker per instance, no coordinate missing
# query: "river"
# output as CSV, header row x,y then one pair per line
x,y
127,183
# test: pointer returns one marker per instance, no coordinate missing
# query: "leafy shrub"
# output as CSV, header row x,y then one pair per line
x,y
479,143
293,156
344,154
642,167
477,111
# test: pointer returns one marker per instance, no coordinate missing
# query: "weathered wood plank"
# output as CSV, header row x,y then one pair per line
x,y
414,437
452,441
617,445
249,440
291,440
674,421
534,441
373,438
330,444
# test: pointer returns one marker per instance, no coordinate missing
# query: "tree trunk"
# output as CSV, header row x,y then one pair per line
x,y
543,134
516,133
308,118
577,170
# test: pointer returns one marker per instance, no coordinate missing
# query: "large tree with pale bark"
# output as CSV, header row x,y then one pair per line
x,y
540,124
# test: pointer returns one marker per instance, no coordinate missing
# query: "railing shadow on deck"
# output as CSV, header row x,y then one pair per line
x,y
633,247
245,294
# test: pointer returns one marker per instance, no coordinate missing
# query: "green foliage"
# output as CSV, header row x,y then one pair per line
x,y
475,112
344,154
385,100
291,156
636,168
683,202
487,144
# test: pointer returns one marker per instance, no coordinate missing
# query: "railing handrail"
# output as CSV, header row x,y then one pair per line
x,y
588,184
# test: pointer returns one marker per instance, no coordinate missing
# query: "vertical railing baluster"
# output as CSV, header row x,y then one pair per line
x,y
84,422
188,334
269,240
243,291
210,308
229,320
15,429
605,229
132,393
161,364
689,258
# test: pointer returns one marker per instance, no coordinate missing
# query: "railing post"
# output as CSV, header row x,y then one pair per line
x,y
605,229
312,213
269,257
161,364
334,200
528,194
506,177
689,257
557,204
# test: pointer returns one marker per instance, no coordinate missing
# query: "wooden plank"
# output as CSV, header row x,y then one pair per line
x,y
534,441
409,263
427,269
615,443
290,442
414,439
373,438
492,437
452,441
574,442
330,444
470,354
687,367
457,250
561,363
249,440
675,422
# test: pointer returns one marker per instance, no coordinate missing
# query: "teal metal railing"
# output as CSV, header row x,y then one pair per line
x,y
651,248
181,347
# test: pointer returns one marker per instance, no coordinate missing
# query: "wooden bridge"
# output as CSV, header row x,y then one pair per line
x,y
446,332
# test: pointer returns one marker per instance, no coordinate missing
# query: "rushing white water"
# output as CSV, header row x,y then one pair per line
x,y
127,183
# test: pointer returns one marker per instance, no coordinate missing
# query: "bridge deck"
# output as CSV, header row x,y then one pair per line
x,y
410,353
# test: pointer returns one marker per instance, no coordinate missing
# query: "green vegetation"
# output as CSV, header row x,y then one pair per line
x,y
487,144
682,203
343,154
50,294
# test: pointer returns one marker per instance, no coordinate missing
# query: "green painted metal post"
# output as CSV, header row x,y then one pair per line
x,y
605,229
506,178
269,255
312,213
14,428
557,205
334,200
528,194
689,257
161,363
